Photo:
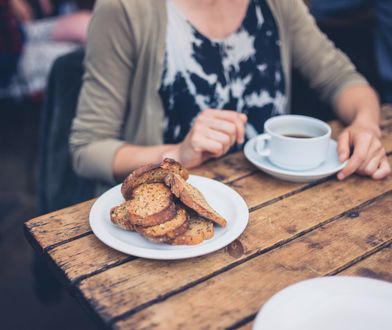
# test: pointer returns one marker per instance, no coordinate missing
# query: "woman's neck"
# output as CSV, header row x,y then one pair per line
x,y
216,19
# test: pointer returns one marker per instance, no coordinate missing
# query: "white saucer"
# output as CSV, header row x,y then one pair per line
x,y
329,167
329,303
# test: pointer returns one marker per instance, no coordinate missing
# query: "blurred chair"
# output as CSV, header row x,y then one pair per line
x,y
58,185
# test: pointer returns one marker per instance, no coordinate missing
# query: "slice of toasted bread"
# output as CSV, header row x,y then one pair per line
x,y
193,198
151,204
151,173
165,228
119,216
170,235
199,230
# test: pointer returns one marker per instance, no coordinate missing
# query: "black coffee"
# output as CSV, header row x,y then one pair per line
x,y
298,136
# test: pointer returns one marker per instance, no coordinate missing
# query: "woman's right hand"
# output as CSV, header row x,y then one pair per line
x,y
213,133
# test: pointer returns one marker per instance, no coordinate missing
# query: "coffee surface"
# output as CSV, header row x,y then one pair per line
x,y
298,136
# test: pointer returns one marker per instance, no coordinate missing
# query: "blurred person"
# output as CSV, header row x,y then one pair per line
x,y
43,41
191,80
11,42
326,9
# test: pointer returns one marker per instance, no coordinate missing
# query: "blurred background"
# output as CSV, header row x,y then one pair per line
x,y
41,54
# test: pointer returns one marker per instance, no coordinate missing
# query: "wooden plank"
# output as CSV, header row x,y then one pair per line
x,y
71,222
85,256
378,265
237,293
256,189
123,288
60,226
260,188
227,168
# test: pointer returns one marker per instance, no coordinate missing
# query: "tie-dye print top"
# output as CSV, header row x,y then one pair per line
x,y
242,72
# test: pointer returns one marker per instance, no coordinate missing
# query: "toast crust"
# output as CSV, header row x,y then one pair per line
x,y
165,228
151,173
199,230
170,236
193,198
119,216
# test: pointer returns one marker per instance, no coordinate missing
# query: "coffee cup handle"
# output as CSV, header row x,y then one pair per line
x,y
261,145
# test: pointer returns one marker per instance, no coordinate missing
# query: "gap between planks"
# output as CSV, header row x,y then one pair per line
x,y
77,280
240,262
158,313
250,172
248,319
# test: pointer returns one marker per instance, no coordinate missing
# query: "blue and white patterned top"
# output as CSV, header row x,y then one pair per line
x,y
242,72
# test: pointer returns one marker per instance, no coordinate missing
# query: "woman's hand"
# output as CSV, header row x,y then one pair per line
x,y
368,156
211,136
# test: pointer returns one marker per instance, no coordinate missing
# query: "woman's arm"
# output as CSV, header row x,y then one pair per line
x,y
109,65
334,76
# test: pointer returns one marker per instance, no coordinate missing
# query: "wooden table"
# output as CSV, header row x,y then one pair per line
x,y
296,231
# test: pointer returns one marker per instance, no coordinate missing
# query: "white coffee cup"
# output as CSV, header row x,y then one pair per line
x,y
294,142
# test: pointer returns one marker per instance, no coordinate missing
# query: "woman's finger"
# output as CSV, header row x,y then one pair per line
x,y
225,114
361,147
344,146
238,119
224,127
375,154
373,164
220,137
201,143
383,170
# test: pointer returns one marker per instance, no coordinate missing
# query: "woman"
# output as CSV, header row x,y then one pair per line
x,y
162,76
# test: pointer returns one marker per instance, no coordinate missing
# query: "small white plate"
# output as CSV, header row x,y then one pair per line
x,y
222,198
329,167
329,303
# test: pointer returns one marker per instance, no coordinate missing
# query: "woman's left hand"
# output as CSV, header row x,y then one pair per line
x,y
368,154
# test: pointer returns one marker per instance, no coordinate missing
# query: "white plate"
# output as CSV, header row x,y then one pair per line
x,y
329,167
329,303
222,198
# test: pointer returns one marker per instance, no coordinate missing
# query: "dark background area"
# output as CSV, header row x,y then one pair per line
x,y
20,304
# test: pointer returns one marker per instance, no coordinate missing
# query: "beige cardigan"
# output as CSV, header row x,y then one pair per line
x,y
119,100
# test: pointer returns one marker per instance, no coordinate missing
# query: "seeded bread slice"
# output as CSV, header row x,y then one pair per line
x,y
165,228
199,230
193,198
170,235
151,173
151,204
119,216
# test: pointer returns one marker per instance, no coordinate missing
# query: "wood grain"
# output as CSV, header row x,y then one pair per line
x,y
378,266
255,189
123,288
85,256
60,226
225,169
67,224
225,299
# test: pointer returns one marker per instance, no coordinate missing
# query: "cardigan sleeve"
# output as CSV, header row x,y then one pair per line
x,y
109,65
327,69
